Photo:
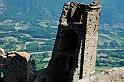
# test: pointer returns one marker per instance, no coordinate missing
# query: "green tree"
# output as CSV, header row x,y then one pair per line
x,y
114,44
32,47
105,44
45,55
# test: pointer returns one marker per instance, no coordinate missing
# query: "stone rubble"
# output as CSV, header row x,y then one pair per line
x,y
111,75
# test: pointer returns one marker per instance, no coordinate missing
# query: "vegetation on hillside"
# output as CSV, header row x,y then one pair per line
x,y
40,37
112,10
31,26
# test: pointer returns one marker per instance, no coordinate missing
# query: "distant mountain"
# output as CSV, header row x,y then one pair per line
x,y
112,11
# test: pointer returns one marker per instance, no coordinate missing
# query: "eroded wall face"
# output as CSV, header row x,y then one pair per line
x,y
90,48
17,68
14,69
74,52
67,41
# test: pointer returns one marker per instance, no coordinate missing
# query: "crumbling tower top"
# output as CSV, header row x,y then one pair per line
x,y
95,3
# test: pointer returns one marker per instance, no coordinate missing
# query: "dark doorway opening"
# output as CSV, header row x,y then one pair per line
x,y
68,44
69,41
71,63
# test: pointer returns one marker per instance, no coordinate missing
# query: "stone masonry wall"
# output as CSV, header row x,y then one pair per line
x,y
90,48
74,52
17,67
14,69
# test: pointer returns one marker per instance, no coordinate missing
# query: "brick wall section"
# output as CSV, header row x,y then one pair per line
x,y
112,75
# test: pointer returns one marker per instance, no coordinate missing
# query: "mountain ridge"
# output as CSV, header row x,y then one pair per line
x,y
112,11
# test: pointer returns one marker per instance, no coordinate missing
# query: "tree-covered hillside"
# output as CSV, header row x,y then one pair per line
x,y
112,10
31,16
31,26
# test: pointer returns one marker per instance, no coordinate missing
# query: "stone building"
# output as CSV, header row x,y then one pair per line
x,y
74,52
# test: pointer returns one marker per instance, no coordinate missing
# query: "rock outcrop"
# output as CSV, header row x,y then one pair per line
x,y
111,75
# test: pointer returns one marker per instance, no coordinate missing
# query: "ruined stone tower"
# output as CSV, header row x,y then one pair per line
x,y
74,52
73,56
